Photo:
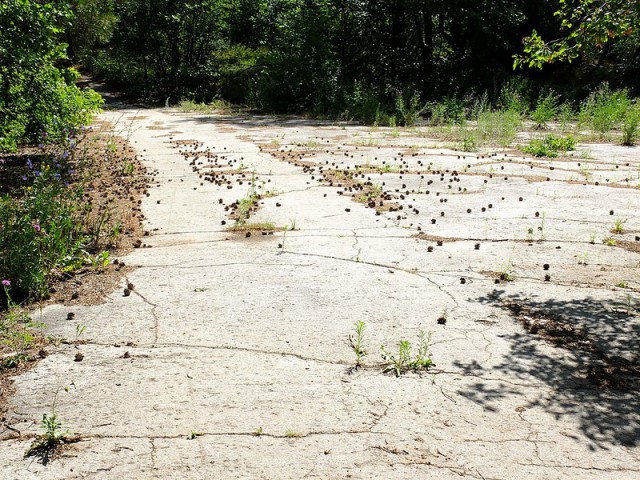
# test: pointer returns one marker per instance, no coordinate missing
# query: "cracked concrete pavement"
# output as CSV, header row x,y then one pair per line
x,y
230,359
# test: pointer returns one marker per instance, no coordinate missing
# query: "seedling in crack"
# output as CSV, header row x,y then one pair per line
x,y
194,435
53,437
404,361
357,341
618,227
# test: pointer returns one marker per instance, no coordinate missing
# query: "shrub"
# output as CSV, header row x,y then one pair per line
x,y
550,146
36,97
40,232
604,108
631,125
409,110
546,109
448,111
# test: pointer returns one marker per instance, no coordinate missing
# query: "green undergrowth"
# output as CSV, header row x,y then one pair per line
x,y
550,146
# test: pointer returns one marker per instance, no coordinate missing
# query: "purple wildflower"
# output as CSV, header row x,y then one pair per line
x,y
6,283
36,226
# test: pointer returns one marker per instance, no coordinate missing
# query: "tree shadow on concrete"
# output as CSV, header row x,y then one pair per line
x,y
250,121
595,378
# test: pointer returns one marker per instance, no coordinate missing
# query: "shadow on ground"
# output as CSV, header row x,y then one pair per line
x,y
597,382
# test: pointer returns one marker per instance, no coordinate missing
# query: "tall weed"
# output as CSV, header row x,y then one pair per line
x,y
604,109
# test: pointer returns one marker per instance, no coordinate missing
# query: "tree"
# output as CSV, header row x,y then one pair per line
x,y
589,25
37,98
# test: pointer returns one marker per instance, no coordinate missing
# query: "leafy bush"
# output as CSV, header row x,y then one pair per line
x,y
631,125
546,109
604,108
40,232
449,111
550,146
409,110
513,96
36,97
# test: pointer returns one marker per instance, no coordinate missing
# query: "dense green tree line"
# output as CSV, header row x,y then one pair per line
x,y
327,56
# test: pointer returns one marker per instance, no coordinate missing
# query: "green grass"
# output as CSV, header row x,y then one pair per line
x,y
216,106
604,109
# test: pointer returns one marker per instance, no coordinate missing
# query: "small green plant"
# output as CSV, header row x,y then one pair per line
x,y
583,258
194,435
404,360
546,109
618,226
565,115
631,125
52,438
622,284
609,241
506,271
592,238
356,341
469,143
292,434
80,329
259,432
128,169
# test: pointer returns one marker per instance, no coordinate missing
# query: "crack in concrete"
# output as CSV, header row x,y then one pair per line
x,y
579,467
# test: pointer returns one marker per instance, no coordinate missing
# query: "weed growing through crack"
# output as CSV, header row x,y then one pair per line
x,y
357,341
610,242
80,329
618,227
583,258
194,435
292,434
404,361
259,432
506,271
53,436
622,284
592,238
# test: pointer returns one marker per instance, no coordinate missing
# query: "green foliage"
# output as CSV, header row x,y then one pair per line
x,y
38,100
405,360
514,96
356,341
550,146
40,232
498,127
448,111
631,125
15,328
588,25
409,109
604,109
546,109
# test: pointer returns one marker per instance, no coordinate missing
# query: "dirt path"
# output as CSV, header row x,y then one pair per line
x,y
230,358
